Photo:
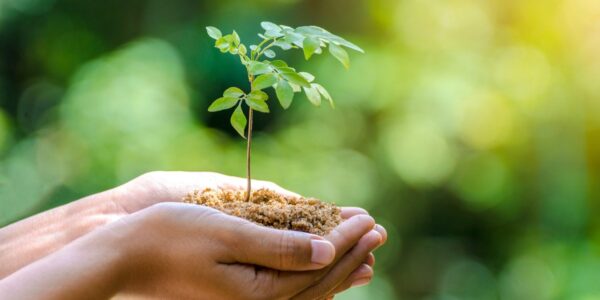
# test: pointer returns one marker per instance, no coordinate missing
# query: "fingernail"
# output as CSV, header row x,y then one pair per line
x,y
323,252
361,281
365,218
377,236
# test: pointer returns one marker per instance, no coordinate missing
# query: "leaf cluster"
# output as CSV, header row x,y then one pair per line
x,y
264,71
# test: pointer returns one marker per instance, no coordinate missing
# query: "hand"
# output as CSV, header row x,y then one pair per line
x,y
184,251
156,187
36,237
160,186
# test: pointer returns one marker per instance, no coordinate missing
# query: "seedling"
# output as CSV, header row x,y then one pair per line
x,y
264,73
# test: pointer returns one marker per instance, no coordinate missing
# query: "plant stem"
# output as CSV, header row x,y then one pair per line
x,y
249,143
248,152
251,119
262,51
256,56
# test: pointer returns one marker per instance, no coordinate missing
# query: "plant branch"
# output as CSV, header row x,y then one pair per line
x,y
262,50
259,46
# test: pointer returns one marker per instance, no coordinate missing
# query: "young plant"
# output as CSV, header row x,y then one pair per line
x,y
264,72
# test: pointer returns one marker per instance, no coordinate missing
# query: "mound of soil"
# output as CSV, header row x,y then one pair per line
x,y
272,209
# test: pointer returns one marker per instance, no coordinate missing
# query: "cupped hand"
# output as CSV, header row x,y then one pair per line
x,y
161,186
184,251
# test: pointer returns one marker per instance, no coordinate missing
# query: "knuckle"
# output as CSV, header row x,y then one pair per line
x,y
159,212
237,240
340,235
290,250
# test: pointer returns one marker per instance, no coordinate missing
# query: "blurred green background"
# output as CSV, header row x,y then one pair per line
x,y
470,129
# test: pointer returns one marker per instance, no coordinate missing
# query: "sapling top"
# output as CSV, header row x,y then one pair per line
x,y
264,72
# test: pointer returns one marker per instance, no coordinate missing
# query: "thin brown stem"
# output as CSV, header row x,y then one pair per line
x,y
249,143
248,152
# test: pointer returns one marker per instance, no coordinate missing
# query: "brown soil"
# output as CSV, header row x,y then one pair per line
x,y
272,209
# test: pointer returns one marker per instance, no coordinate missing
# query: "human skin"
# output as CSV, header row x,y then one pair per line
x,y
129,211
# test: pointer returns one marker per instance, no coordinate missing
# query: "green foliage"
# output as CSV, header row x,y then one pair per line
x,y
238,120
266,73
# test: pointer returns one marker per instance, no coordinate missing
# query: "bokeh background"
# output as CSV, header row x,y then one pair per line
x,y
470,129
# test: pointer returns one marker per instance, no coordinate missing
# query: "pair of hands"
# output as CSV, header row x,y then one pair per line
x,y
143,245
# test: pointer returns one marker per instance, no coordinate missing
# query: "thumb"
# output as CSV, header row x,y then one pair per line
x,y
284,250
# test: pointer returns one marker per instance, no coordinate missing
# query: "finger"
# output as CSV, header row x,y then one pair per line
x,y
283,250
370,260
275,187
383,233
361,276
348,212
343,268
355,279
346,235
237,183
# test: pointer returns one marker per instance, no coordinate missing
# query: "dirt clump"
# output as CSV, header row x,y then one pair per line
x,y
272,209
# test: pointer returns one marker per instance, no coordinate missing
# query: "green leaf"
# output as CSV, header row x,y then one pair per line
x,y
313,95
256,100
258,105
238,121
340,54
258,95
322,33
295,78
236,38
310,45
286,70
264,81
279,63
296,88
243,49
268,26
222,44
214,32
233,92
285,93
324,93
273,34
292,37
257,68
269,53
309,77
283,45
223,103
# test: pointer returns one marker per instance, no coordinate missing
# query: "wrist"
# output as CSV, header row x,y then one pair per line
x,y
38,236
